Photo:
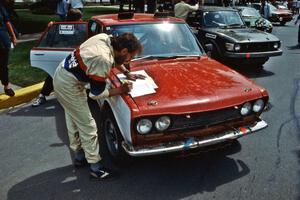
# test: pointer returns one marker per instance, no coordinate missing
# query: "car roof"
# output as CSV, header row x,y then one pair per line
x,y
112,19
243,7
216,8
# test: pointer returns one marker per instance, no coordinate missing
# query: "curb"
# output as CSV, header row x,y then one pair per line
x,y
22,95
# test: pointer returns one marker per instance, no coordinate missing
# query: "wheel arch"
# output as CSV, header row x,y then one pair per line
x,y
121,113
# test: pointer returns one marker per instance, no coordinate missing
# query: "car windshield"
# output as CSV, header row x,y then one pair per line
x,y
161,40
222,19
250,12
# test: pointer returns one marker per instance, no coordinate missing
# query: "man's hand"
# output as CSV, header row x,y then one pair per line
x,y
126,87
133,77
14,43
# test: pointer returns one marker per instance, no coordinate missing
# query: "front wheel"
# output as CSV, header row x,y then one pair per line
x,y
112,138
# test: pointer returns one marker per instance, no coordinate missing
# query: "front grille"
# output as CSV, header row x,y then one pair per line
x,y
203,119
257,47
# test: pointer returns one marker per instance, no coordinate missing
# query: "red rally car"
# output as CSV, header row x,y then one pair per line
x,y
188,100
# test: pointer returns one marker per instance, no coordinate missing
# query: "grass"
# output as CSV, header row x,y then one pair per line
x,y
20,71
34,23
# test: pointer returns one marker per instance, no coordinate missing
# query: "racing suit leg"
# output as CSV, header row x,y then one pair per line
x,y
72,96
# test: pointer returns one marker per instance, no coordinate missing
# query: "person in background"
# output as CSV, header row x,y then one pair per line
x,y
91,63
78,4
7,38
139,6
62,9
285,3
151,6
298,18
72,15
266,9
182,9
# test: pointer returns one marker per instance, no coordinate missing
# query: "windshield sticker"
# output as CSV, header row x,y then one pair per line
x,y
66,29
208,35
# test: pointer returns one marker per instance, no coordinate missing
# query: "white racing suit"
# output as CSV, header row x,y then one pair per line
x,y
90,63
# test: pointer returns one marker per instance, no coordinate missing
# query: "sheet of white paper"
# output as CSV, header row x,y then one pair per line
x,y
140,87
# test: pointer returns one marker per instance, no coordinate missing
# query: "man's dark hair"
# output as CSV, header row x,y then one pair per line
x,y
128,41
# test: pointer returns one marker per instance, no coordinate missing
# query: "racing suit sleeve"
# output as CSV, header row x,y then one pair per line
x,y
98,90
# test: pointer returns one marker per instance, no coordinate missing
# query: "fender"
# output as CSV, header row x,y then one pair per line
x,y
215,45
122,115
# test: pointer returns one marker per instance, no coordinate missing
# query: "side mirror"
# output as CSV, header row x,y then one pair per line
x,y
247,23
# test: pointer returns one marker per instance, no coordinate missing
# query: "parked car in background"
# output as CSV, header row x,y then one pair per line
x,y
277,15
233,42
194,101
280,14
254,19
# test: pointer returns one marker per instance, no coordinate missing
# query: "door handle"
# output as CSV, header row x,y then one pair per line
x,y
39,54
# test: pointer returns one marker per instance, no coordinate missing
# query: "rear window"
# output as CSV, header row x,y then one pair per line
x,y
64,35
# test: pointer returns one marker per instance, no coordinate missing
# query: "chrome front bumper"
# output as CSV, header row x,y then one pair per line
x,y
192,143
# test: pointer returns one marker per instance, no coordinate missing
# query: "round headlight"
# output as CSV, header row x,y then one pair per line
x,y
275,45
237,47
144,126
229,46
246,109
163,123
258,105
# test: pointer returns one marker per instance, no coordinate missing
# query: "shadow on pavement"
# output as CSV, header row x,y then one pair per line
x,y
294,47
161,177
157,177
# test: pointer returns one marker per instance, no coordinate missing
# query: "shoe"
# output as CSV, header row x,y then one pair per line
x,y
103,174
80,163
9,92
39,101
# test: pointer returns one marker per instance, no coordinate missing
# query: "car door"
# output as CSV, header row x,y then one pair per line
x,y
58,40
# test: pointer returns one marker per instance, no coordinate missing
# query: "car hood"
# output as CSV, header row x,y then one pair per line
x,y
193,85
247,35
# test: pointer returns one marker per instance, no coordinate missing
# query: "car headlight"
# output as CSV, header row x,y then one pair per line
x,y
246,109
237,47
229,46
163,123
144,126
276,45
258,105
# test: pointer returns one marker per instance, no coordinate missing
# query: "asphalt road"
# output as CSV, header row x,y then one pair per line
x,y
36,162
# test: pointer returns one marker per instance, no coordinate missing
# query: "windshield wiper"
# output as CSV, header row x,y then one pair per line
x,y
164,57
182,56
149,57
220,24
236,25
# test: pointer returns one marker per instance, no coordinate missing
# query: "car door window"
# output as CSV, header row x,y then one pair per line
x,y
64,35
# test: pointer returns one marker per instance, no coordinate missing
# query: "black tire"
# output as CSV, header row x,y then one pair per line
x,y
112,138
